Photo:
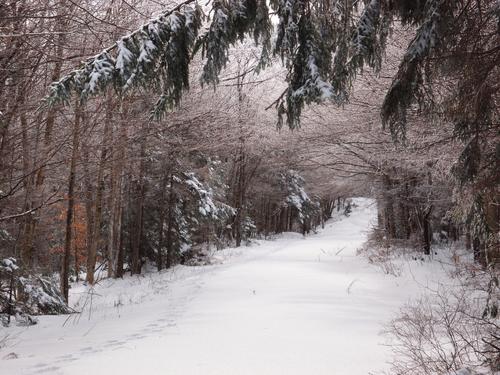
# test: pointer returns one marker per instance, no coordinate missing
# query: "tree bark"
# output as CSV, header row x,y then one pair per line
x,y
390,227
427,231
170,222
159,256
116,203
96,231
239,195
70,210
139,214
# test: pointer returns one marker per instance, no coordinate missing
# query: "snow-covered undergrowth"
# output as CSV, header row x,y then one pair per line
x,y
453,327
292,305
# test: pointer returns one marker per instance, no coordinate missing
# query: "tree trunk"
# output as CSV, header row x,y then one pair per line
x,y
89,193
390,227
468,239
238,194
120,256
140,188
478,250
116,203
70,209
170,222
137,230
426,232
96,231
159,256
56,73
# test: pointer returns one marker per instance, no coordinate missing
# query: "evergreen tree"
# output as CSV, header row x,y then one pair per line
x,y
297,197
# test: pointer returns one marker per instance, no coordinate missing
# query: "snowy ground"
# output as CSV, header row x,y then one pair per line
x,y
288,306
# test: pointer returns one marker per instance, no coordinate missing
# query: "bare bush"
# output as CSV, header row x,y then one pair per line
x,y
447,332
380,253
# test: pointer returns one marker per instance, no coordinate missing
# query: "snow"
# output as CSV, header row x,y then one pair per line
x,y
297,196
324,88
221,18
207,206
175,23
315,82
124,56
190,14
292,305
100,70
147,50
8,265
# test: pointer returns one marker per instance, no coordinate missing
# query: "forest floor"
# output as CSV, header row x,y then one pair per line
x,y
291,305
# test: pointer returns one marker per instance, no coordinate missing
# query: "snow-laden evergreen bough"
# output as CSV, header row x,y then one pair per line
x,y
24,296
323,44
297,197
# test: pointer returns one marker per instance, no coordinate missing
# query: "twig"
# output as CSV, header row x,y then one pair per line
x,y
339,251
350,286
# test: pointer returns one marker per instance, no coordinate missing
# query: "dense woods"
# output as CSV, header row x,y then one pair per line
x,y
124,145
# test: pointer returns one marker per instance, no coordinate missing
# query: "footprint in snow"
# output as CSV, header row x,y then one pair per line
x,y
10,356
135,336
65,358
111,341
114,343
48,369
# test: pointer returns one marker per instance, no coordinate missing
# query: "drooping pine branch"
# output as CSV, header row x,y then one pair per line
x,y
156,55
323,44
368,41
314,45
310,65
406,88
232,21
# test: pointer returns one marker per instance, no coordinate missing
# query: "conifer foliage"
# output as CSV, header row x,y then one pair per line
x,y
323,44
314,39
297,197
156,55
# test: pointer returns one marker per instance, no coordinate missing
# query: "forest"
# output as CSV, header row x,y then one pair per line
x,y
144,138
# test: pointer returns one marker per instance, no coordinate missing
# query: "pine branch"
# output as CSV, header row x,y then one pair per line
x,y
138,58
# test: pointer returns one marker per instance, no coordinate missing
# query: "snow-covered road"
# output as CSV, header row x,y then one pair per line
x,y
288,306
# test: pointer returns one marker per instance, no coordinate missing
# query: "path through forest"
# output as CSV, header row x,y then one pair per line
x,y
293,305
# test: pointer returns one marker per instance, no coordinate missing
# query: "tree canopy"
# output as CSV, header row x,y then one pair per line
x,y
323,45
